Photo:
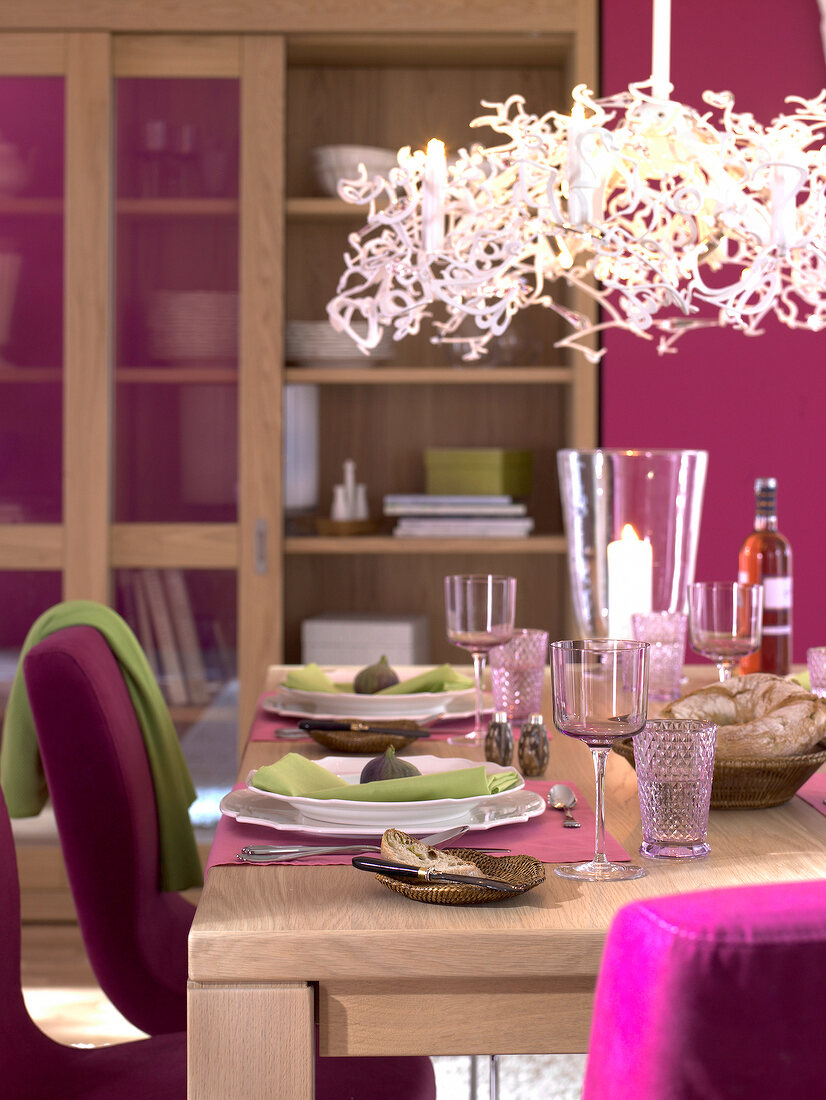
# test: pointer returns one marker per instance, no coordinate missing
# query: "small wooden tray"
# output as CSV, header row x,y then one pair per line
x,y
326,526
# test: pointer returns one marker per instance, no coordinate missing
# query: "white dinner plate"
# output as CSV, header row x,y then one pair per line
x,y
335,813
255,808
418,707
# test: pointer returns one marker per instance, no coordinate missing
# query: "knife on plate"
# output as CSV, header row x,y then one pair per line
x,y
310,724
406,873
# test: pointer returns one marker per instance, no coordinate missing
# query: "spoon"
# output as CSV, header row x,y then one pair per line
x,y
561,797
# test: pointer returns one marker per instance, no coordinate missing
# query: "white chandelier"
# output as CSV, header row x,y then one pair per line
x,y
666,218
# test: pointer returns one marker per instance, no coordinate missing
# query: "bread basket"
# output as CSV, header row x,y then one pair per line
x,y
752,783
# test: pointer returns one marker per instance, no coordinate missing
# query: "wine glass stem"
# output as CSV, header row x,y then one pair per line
x,y
478,668
600,756
724,670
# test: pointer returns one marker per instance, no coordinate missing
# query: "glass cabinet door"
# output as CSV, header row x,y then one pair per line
x,y
31,354
175,439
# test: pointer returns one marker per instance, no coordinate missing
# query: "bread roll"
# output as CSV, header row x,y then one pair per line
x,y
757,715
402,848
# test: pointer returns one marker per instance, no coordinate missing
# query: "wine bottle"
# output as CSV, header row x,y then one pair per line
x,y
766,558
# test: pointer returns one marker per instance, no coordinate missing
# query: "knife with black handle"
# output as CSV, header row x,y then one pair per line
x,y
406,873
310,724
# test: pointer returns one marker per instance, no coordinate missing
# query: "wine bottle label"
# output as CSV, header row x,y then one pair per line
x,y
787,629
777,593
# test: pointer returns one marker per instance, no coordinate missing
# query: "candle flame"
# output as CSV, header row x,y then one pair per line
x,y
435,148
629,534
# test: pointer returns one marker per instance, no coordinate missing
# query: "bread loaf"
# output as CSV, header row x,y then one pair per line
x,y
757,715
402,848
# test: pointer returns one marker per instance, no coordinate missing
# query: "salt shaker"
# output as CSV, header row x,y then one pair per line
x,y
499,739
534,748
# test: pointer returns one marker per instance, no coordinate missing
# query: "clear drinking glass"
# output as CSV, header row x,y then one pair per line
x,y
479,614
600,693
674,760
725,621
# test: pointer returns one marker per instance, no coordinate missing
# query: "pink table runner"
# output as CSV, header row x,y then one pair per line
x,y
543,837
813,791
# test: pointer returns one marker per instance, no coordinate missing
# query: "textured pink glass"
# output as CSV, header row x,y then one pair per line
x,y
816,661
665,631
517,670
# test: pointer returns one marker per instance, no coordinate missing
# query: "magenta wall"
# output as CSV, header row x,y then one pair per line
x,y
755,404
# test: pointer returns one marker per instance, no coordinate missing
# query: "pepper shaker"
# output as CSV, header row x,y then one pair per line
x,y
499,739
534,748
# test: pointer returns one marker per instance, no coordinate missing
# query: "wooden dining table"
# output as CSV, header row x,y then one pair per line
x,y
276,949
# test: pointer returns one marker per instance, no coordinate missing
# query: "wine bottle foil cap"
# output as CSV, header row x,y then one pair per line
x,y
500,716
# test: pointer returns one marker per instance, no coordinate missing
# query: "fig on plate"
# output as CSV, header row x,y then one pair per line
x,y
387,766
375,677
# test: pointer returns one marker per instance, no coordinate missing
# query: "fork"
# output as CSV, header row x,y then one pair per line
x,y
283,853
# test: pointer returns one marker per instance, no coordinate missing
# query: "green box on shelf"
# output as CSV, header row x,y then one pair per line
x,y
478,470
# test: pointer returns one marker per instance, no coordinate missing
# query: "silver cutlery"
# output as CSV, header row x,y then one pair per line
x,y
284,853
561,797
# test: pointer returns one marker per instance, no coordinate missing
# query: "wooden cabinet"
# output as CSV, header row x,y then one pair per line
x,y
293,77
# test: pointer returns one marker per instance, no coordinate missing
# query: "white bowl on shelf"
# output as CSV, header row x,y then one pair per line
x,y
193,325
317,343
341,162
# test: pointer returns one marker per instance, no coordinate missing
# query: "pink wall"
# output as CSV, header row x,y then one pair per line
x,y
755,404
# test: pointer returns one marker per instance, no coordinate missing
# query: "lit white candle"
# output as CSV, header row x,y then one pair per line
x,y
434,191
661,50
577,201
585,171
630,572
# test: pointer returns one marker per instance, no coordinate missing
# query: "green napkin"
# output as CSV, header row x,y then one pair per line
x,y
21,770
802,678
442,678
293,775
311,678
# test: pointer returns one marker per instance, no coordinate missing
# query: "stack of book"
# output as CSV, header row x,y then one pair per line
x,y
429,515
156,604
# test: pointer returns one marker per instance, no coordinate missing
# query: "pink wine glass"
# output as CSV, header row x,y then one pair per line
x,y
600,694
480,610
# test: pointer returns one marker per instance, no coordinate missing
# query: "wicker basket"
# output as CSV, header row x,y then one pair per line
x,y
752,784
369,743
521,872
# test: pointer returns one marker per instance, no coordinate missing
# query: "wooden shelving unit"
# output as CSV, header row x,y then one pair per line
x,y
387,77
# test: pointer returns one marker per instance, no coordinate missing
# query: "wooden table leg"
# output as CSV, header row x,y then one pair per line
x,y
250,1041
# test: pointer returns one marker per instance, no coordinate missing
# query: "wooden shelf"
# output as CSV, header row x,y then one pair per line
x,y
19,207
177,376
12,374
388,544
428,376
177,208
305,208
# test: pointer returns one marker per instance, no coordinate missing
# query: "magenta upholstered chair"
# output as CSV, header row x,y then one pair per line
x,y
715,995
101,789
34,1067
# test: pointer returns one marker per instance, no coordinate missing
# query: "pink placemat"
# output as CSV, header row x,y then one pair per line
x,y
543,837
265,726
813,791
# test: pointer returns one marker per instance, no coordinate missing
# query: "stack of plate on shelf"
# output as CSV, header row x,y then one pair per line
x,y
193,325
341,162
317,342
